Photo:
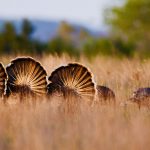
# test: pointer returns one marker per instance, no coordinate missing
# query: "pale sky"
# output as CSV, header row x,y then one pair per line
x,y
89,12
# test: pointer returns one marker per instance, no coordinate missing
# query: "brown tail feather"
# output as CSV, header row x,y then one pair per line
x,y
26,76
3,78
73,77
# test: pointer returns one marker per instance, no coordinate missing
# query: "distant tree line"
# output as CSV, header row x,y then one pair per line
x,y
129,31
65,41
12,42
130,27
129,35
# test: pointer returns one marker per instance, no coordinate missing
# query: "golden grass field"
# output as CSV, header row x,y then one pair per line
x,y
45,127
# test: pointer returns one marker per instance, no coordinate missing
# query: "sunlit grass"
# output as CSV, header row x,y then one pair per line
x,y
46,126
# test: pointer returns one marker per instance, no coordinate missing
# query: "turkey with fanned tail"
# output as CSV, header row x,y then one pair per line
x,y
3,78
72,80
26,77
142,97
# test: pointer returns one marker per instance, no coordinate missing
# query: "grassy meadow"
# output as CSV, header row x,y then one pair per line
x,y
45,127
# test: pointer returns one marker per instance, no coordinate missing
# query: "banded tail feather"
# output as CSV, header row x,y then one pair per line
x,y
105,93
3,78
73,79
26,77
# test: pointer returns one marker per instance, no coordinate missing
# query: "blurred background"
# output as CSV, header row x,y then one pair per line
x,y
118,28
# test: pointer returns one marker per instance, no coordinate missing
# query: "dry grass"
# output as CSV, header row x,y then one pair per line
x,y
45,126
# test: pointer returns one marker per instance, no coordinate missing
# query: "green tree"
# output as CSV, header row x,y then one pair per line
x,y
65,31
95,47
131,23
27,29
83,34
60,46
8,42
26,43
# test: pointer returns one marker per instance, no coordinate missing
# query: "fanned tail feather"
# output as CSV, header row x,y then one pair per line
x,y
26,76
3,78
73,78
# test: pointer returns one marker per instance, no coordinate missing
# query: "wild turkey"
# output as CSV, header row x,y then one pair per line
x,y
26,77
72,80
141,97
3,78
104,93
